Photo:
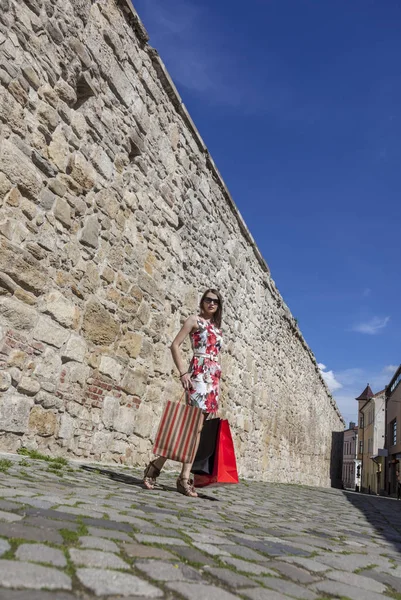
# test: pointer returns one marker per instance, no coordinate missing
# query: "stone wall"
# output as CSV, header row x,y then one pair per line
x,y
113,219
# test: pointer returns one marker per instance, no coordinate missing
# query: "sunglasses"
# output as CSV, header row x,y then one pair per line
x,y
211,300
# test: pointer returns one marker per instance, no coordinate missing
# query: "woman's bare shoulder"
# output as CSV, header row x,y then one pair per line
x,y
191,323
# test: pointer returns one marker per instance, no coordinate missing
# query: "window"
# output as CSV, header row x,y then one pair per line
x,y
393,432
360,447
361,422
370,446
395,383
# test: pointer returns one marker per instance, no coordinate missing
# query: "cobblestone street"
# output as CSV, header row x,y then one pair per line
x,y
71,532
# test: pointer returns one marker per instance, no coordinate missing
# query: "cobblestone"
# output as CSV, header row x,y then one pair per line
x,y
199,559
15,574
96,558
41,554
103,582
97,543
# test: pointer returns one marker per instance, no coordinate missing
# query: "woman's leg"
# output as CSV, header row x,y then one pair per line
x,y
152,471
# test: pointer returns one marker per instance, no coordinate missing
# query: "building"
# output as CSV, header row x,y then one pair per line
x,y
351,464
393,437
371,442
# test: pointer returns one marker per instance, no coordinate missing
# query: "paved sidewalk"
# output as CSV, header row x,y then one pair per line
x,y
68,532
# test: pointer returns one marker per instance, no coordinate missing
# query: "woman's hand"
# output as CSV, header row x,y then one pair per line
x,y
186,382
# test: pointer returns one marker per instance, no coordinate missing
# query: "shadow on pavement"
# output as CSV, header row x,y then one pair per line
x,y
384,514
130,480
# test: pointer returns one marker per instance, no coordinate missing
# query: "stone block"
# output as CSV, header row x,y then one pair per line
x,y
200,591
48,399
102,163
4,547
353,579
49,366
5,381
47,115
288,588
62,310
67,427
43,422
105,583
102,441
141,551
62,212
50,333
41,554
14,413
130,344
98,324
232,579
167,571
337,589
76,373
110,410
22,267
134,381
246,566
13,197
75,349
28,386
82,171
26,532
109,366
9,517
97,558
125,420
97,543
11,112
89,234
47,199
5,186
156,539
14,574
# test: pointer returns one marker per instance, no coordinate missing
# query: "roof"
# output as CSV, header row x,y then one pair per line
x,y
367,394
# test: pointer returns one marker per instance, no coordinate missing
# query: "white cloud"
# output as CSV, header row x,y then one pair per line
x,y
353,381
372,327
329,378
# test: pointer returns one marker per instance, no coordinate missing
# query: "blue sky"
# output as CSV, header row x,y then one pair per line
x,y
299,104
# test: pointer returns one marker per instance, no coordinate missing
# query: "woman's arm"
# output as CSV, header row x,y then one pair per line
x,y
185,330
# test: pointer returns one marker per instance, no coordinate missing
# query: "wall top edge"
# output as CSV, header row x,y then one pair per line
x,y
174,95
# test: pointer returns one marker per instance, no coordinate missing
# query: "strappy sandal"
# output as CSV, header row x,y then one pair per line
x,y
150,475
186,487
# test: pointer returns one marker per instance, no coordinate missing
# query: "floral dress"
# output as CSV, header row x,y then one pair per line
x,y
204,369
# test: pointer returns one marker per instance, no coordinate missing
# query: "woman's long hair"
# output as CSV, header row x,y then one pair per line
x,y
218,315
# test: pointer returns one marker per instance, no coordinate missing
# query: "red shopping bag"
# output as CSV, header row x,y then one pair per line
x,y
225,464
178,430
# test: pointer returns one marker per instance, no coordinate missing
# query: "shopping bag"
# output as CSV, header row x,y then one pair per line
x,y
177,432
204,458
225,464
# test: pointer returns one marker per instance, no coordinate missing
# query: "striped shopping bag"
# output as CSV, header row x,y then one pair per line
x,y
177,432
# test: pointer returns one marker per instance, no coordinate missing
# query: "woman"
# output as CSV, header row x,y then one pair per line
x,y
201,381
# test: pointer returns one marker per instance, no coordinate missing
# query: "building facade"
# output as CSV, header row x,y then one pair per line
x,y
393,437
371,450
351,464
